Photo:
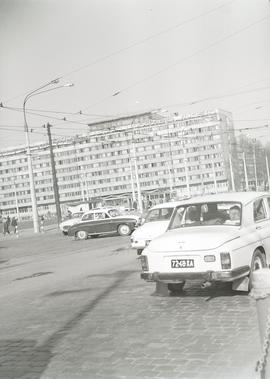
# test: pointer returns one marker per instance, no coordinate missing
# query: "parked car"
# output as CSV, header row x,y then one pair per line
x,y
66,224
215,238
103,221
155,223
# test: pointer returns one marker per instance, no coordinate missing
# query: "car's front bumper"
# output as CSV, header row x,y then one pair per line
x,y
211,276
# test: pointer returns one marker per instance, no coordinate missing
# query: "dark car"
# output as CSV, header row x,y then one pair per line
x,y
103,221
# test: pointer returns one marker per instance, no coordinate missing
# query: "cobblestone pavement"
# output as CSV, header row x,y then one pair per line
x,y
90,316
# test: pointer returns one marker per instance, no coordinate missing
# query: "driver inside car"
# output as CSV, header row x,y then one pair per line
x,y
193,216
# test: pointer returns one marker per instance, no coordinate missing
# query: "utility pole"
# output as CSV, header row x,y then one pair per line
x,y
132,182
255,168
171,168
137,177
186,171
54,177
231,171
267,170
245,171
214,175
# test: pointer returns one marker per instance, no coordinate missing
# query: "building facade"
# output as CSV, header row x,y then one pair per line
x,y
162,156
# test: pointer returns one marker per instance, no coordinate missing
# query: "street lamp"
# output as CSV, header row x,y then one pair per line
x,y
28,150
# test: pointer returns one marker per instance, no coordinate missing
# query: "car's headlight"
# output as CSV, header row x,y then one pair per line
x,y
225,259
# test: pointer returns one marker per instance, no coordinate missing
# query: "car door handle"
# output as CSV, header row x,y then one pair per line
x,y
259,227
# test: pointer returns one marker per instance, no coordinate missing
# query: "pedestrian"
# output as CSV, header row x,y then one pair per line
x,y
8,224
14,223
5,230
42,219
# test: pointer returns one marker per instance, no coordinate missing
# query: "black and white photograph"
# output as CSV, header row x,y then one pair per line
x,y
135,189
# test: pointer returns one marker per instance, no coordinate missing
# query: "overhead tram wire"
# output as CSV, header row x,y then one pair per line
x,y
144,40
200,100
86,124
58,112
199,51
134,44
42,115
32,130
231,94
182,60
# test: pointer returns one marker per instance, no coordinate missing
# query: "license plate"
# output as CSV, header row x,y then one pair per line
x,y
182,263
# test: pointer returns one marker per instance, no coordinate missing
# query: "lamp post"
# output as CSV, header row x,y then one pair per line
x,y
28,150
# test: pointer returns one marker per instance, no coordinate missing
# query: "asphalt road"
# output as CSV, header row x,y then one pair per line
x,y
78,309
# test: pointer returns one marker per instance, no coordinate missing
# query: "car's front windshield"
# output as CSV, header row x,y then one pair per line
x,y
209,213
114,212
161,214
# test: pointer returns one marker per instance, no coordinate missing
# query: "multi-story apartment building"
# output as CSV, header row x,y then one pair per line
x,y
162,155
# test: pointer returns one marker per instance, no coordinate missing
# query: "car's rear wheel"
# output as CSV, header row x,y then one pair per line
x,y
258,262
124,230
175,288
81,235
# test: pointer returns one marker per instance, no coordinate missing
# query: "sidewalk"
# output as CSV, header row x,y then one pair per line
x,y
28,232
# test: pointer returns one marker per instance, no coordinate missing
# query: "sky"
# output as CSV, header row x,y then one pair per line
x,y
185,56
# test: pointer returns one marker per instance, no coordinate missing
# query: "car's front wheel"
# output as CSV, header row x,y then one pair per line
x,y
258,262
124,230
176,288
81,235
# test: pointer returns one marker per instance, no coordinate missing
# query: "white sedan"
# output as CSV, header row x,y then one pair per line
x,y
156,223
222,237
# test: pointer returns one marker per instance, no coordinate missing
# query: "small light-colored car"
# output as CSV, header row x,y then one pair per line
x,y
66,224
155,223
103,221
222,237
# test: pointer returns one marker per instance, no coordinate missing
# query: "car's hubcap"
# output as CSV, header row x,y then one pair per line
x,y
124,229
81,235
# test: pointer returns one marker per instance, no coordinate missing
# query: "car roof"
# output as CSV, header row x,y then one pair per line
x,y
241,197
169,204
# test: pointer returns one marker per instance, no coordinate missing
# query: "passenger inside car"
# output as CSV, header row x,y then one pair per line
x,y
235,214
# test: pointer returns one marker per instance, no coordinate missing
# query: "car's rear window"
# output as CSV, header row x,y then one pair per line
x,y
160,214
203,214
